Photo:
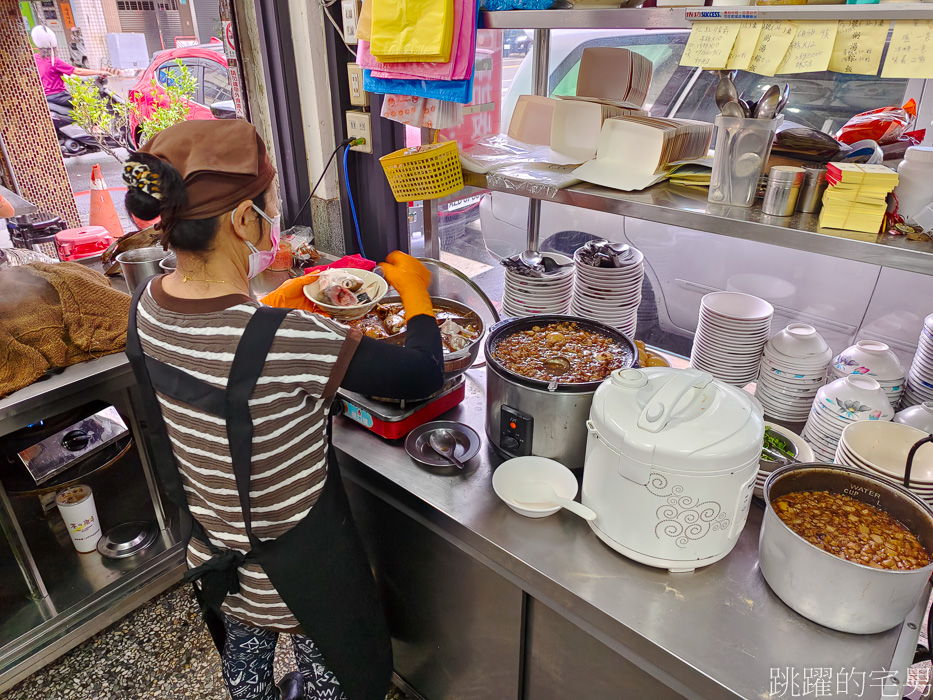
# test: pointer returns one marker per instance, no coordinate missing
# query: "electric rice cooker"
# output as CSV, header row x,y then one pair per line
x,y
671,461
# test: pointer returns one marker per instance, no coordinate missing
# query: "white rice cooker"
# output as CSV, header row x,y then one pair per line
x,y
671,460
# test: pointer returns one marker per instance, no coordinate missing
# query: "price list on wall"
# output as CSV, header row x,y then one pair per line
x,y
738,40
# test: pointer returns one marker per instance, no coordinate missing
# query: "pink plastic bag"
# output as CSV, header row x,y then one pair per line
x,y
458,68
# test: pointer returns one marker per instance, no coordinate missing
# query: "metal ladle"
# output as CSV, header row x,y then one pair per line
x,y
557,365
444,443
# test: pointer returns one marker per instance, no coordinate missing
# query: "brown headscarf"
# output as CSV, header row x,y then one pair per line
x,y
222,162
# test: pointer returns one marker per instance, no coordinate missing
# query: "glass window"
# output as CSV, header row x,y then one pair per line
x,y
823,101
216,85
167,72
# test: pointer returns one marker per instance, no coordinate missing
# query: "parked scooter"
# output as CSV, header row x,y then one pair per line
x,y
73,139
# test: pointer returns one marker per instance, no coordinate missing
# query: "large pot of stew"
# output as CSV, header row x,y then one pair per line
x,y
541,375
845,548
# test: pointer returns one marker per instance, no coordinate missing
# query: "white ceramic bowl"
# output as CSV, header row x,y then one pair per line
x,y
870,357
737,306
856,397
918,416
799,340
884,446
514,472
348,313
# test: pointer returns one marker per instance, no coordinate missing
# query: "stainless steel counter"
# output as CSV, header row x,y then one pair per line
x,y
716,633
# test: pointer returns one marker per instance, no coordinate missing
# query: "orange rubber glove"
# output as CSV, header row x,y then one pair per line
x,y
411,279
290,295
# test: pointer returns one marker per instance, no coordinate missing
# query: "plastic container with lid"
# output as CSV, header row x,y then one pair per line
x,y
671,461
914,181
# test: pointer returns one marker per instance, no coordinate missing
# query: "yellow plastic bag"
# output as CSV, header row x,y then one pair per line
x,y
365,24
412,30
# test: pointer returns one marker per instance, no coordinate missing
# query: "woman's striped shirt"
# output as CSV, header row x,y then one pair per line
x,y
289,408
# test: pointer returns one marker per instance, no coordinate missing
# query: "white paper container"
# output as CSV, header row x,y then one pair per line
x,y
80,516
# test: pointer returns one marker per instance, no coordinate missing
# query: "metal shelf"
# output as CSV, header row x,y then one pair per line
x,y
687,207
683,17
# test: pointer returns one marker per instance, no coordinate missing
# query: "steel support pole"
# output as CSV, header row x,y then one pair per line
x,y
430,220
542,51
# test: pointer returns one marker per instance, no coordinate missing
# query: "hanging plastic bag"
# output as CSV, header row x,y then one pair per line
x,y
460,65
884,125
460,91
412,30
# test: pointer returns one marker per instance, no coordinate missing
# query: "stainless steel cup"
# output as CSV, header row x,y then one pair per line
x,y
140,264
783,188
811,192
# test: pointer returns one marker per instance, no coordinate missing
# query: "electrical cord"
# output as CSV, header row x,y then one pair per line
x,y
345,142
326,4
356,223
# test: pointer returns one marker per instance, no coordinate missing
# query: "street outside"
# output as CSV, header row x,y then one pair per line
x,y
79,169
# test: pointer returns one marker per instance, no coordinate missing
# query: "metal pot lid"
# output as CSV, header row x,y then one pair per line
x,y
510,326
127,539
680,420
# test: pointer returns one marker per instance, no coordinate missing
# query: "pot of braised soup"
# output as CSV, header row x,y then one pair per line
x,y
541,374
461,329
845,548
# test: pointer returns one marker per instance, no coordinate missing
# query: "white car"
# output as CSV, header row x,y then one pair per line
x,y
843,299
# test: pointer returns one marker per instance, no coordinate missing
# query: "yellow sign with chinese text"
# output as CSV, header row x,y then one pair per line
x,y
773,44
710,44
811,48
910,53
859,45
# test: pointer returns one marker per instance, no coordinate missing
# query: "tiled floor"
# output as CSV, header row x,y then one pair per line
x,y
162,650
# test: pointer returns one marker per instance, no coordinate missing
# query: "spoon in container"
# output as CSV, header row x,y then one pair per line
x,y
542,493
733,109
725,93
531,258
767,105
785,95
445,444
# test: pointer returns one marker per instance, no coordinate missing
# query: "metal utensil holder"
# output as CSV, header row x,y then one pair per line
x,y
743,147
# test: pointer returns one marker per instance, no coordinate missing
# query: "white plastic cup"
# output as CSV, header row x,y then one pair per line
x,y
76,505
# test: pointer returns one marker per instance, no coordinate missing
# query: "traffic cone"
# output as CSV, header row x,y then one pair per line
x,y
103,213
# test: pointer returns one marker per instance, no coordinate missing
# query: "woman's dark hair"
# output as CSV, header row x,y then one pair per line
x,y
192,235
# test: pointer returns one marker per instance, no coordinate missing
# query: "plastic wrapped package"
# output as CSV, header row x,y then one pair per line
x,y
542,180
499,151
884,125
497,5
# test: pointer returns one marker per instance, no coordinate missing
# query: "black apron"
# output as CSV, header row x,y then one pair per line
x,y
319,567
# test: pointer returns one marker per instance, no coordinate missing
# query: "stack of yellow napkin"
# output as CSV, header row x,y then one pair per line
x,y
856,198
411,30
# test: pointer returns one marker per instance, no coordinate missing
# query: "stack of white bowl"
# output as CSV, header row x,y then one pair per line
x,y
876,360
531,296
920,376
610,294
792,370
840,404
882,448
731,334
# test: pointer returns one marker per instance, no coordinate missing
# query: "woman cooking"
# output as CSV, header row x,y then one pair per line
x,y
243,393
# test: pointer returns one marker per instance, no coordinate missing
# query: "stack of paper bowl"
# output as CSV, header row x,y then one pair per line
x,y
532,296
610,294
883,448
840,404
920,376
792,370
876,360
731,334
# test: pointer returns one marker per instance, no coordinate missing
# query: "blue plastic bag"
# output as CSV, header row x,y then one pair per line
x,y
460,91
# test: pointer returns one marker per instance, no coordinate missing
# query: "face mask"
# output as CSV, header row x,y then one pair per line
x,y
259,260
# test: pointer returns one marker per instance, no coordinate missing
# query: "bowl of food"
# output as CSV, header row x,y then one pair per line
x,y
844,548
346,294
461,329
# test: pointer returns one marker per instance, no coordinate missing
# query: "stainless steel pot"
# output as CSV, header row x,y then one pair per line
x,y
532,417
455,363
827,589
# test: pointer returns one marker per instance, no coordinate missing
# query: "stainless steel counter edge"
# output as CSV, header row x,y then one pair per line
x,y
716,633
